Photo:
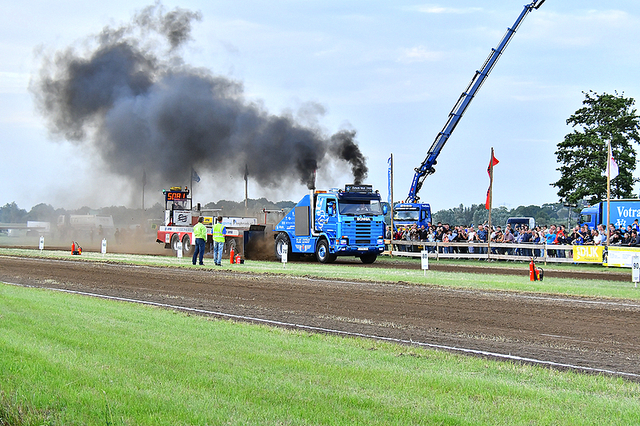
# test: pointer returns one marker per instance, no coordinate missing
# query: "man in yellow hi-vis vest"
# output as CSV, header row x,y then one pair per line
x,y
200,234
218,240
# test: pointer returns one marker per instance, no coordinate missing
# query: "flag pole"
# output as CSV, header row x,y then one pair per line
x,y
490,196
609,154
246,190
144,182
391,201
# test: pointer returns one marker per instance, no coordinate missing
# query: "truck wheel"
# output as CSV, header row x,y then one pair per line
x,y
174,242
187,247
231,243
368,257
322,252
282,239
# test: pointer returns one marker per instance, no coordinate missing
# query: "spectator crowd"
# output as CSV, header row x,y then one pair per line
x,y
520,234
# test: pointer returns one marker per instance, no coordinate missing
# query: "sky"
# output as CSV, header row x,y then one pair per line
x,y
388,71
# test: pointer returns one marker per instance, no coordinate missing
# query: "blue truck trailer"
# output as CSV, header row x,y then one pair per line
x,y
334,223
623,213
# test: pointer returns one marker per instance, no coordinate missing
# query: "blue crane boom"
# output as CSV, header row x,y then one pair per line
x,y
427,166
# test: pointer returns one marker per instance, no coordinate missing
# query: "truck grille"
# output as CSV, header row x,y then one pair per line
x,y
363,233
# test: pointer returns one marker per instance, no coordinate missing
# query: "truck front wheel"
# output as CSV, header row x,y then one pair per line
x,y
322,252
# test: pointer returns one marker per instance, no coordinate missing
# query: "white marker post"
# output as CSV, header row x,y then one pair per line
x,y
424,255
104,247
285,255
41,245
179,250
635,274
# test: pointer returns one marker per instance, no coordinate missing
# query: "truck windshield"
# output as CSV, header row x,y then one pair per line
x,y
406,215
360,207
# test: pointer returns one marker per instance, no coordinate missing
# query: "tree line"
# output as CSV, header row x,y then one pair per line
x,y
547,214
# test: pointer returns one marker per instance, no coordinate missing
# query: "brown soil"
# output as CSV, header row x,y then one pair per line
x,y
594,334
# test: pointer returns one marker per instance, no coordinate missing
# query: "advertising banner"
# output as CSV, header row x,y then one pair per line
x,y
588,253
622,256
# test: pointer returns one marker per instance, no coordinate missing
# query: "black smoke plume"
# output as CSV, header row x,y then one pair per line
x,y
132,98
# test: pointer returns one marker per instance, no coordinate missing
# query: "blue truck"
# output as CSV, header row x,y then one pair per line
x,y
623,213
408,214
334,223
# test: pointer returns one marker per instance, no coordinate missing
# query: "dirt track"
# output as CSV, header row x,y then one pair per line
x,y
597,334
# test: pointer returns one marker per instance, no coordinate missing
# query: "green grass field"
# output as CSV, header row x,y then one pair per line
x,y
73,360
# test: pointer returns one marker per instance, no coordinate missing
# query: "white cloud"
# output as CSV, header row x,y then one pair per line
x,y
419,54
431,8
583,28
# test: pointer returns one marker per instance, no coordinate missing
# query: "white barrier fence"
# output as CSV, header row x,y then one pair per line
x,y
494,251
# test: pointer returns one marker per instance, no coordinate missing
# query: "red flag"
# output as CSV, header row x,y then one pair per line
x,y
492,163
487,204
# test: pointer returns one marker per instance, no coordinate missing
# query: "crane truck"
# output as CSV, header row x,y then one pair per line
x,y
411,211
334,223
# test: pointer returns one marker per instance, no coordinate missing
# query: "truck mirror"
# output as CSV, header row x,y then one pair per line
x,y
384,209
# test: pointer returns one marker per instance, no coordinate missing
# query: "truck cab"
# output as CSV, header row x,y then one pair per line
x,y
409,214
590,216
334,223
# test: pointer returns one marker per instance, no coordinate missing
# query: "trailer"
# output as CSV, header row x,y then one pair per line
x,y
624,212
180,216
85,226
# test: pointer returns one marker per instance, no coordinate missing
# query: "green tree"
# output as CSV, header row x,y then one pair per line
x,y
526,211
11,213
542,218
583,153
42,212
